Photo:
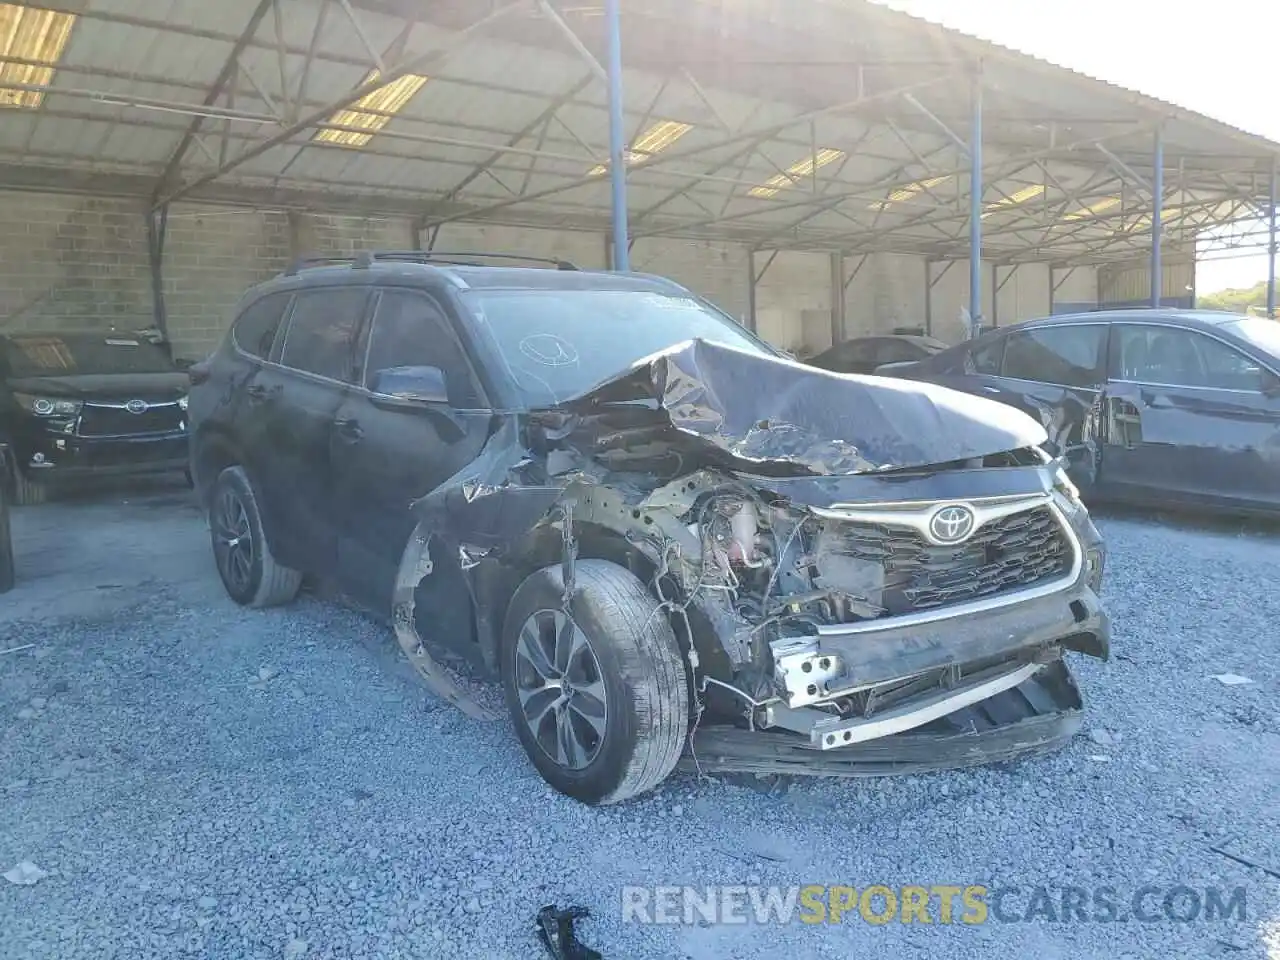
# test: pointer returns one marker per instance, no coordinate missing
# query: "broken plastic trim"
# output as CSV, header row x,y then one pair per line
x,y
556,933
416,564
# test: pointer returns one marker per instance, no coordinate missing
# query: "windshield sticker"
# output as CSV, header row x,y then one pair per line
x,y
549,350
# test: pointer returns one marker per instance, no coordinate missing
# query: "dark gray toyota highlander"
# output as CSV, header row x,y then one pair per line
x,y
663,535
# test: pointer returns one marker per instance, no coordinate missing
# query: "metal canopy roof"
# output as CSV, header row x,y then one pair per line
x,y
805,124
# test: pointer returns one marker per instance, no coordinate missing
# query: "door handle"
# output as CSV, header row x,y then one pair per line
x,y
349,429
988,388
256,392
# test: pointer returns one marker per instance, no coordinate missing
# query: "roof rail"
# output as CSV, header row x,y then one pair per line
x,y
366,258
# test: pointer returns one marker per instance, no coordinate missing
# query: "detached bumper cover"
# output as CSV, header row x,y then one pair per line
x,y
1036,717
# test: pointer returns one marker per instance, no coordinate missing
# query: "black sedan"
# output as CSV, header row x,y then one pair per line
x,y
864,354
1175,407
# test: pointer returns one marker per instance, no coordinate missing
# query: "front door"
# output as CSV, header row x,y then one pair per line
x,y
1188,417
385,454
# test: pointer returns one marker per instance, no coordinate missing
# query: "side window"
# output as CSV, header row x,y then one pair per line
x,y
322,332
1184,358
984,359
255,329
1067,355
410,330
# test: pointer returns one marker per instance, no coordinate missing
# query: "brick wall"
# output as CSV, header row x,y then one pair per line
x,y
68,262
82,262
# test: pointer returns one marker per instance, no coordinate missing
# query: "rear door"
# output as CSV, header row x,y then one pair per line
x,y
303,394
386,455
1188,417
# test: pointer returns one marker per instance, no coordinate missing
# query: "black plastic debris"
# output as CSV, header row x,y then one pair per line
x,y
555,931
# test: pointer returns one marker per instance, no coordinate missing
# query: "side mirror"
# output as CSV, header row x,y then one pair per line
x,y
412,384
1270,384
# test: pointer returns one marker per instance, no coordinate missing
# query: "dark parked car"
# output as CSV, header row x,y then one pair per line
x,y
78,405
1179,408
864,354
647,522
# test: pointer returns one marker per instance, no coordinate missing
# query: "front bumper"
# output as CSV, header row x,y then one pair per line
x,y
50,457
850,687
1037,717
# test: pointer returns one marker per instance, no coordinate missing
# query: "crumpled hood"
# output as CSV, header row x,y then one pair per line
x,y
761,409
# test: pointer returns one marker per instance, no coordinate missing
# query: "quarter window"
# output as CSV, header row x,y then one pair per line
x,y
322,331
255,330
1067,355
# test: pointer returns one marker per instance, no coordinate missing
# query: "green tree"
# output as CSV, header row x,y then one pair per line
x,y
1237,300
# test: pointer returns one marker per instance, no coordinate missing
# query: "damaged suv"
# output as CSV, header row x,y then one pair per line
x,y
665,537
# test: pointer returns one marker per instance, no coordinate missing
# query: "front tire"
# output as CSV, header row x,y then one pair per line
x,y
251,575
599,697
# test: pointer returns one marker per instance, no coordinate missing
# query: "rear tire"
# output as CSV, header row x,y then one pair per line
x,y
613,668
251,575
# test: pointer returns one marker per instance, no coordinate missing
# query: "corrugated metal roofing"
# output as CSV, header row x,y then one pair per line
x,y
134,73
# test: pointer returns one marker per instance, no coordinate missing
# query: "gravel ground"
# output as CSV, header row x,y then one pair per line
x,y
198,780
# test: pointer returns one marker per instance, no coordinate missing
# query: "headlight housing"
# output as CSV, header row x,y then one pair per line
x,y
48,406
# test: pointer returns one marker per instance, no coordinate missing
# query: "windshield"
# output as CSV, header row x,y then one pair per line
x,y
557,344
1261,332
53,355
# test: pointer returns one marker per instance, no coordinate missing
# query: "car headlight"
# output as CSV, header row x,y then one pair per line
x,y
48,406
182,402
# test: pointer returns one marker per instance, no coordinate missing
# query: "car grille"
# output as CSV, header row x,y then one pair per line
x,y
1003,556
103,421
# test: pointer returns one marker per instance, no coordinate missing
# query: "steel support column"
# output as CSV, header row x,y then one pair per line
x,y
837,298
617,147
975,211
157,227
1271,242
1157,211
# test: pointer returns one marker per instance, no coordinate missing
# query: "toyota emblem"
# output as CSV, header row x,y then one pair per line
x,y
951,524
136,406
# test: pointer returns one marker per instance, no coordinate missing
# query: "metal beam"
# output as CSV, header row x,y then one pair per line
x,y
617,139
576,42
1157,213
975,209
356,25
955,138
412,65
543,119
1124,168
210,98
1271,241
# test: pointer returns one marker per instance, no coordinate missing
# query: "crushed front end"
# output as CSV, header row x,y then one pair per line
x,y
867,575
934,623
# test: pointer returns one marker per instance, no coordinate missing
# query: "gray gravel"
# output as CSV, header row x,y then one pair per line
x,y
200,780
